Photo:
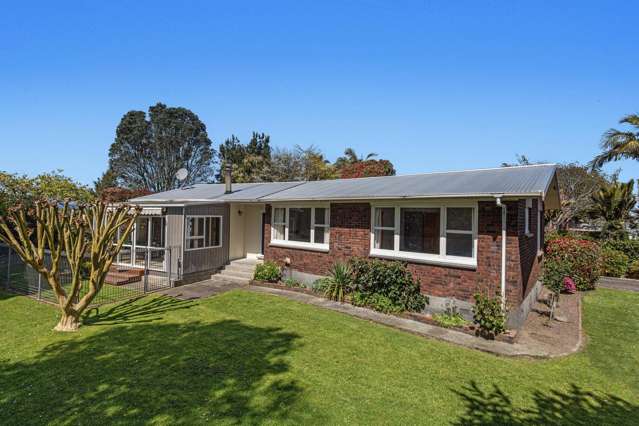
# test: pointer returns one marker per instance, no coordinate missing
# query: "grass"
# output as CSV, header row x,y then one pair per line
x,y
250,358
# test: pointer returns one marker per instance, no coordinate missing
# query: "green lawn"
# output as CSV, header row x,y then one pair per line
x,y
251,358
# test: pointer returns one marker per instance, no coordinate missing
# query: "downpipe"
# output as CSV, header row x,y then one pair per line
x,y
503,250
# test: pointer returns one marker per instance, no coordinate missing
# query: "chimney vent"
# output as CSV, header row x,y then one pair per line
x,y
228,172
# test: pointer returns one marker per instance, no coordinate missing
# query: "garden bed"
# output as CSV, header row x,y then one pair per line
x,y
471,329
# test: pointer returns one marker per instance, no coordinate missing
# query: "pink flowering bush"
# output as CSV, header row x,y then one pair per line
x,y
571,257
569,285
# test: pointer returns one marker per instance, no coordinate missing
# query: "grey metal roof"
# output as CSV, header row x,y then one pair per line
x,y
534,180
215,192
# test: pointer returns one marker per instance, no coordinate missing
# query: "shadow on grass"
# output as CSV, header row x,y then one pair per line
x,y
168,373
576,406
133,311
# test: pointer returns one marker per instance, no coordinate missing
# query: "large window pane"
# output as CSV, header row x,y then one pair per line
x,y
459,244
385,217
459,218
299,224
419,230
142,231
385,239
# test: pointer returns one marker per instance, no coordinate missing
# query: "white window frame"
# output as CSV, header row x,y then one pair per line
x,y
312,245
428,258
527,212
539,217
188,238
133,246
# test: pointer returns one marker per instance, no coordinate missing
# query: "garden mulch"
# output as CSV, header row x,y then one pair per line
x,y
556,338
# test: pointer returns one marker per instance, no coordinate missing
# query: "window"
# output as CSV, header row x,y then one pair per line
x,y
438,234
384,228
539,225
528,216
301,226
203,232
459,231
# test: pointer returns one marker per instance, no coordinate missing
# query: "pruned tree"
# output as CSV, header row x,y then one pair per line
x,y
147,153
42,236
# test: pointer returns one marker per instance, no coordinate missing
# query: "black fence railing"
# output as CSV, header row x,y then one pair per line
x,y
134,273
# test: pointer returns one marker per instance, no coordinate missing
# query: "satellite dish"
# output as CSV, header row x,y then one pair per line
x,y
181,174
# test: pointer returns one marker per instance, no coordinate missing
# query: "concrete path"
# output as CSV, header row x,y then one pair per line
x,y
619,283
415,327
202,289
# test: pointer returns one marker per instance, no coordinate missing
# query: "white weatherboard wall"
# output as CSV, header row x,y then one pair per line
x,y
253,230
246,230
236,242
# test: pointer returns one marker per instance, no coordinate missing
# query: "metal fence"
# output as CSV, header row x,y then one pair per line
x,y
135,272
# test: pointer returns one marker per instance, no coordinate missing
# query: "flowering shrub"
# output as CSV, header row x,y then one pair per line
x,y
574,258
614,262
569,285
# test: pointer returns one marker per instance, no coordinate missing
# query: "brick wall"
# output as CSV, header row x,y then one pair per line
x,y
350,236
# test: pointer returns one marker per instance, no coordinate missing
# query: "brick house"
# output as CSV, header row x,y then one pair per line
x,y
458,232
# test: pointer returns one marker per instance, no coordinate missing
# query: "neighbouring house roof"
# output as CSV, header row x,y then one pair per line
x,y
521,181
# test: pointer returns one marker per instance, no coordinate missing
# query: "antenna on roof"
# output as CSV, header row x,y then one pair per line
x,y
181,175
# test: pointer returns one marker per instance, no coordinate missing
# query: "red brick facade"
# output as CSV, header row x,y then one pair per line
x,y
350,236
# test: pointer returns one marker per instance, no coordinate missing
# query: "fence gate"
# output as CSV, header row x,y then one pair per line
x,y
134,273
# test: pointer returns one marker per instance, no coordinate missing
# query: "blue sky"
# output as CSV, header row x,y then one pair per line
x,y
429,85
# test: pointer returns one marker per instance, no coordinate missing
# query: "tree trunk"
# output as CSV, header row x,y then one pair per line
x,y
70,321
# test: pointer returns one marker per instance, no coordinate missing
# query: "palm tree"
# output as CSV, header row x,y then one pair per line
x,y
613,204
351,157
617,145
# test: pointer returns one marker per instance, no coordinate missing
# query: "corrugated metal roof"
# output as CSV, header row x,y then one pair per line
x,y
521,180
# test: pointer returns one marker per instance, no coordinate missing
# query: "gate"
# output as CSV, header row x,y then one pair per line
x,y
133,274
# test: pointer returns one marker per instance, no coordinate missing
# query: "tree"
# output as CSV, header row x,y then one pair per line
x,y
21,189
251,162
121,195
367,168
77,233
107,180
612,205
617,144
577,184
351,157
146,154
300,164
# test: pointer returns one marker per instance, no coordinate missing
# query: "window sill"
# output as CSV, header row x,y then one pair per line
x,y
457,262
300,245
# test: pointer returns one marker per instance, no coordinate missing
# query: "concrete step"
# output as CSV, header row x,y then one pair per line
x,y
231,278
244,274
239,268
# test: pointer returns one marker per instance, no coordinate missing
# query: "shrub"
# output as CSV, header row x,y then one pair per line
x,y
489,316
614,262
291,282
448,320
629,247
633,270
376,301
389,279
268,271
574,258
338,283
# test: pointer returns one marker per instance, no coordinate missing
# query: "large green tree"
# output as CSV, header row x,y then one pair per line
x,y
250,162
300,164
23,190
619,144
147,153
